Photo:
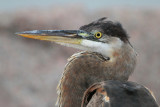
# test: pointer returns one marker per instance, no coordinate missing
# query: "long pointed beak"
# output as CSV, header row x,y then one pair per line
x,y
60,36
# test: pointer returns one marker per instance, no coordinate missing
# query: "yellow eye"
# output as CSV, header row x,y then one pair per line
x,y
98,35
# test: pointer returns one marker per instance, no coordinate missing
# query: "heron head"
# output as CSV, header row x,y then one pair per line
x,y
101,36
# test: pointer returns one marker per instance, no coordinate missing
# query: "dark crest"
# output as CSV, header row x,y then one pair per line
x,y
109,28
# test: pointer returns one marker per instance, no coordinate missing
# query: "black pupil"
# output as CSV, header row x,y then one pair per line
x,y
98,34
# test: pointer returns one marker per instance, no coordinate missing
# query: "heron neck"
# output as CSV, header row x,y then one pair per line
x,y
79,74
86,68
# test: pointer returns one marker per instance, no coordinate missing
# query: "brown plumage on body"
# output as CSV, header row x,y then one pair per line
x,y
108,55
114,93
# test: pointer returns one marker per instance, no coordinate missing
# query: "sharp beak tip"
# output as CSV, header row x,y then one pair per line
x,y
28,32
20,33
17,33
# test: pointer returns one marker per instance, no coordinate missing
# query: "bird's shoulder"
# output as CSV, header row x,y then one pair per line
x,y
118,94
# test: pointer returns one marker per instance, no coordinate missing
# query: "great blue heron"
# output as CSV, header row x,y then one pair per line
x,y
108,55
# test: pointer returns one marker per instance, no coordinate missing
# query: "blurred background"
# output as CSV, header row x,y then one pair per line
x,y
30,69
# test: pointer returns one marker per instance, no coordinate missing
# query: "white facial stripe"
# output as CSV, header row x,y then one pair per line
x,y
103,48
100,47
